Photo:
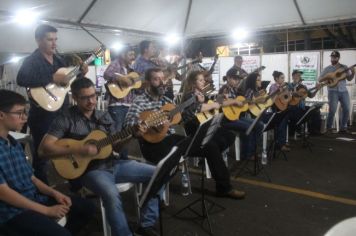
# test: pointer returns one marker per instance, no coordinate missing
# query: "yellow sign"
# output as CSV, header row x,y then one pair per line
x,y
223,51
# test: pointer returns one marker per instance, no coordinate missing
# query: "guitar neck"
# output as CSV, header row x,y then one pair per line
x,y
121,135
181,106
76,70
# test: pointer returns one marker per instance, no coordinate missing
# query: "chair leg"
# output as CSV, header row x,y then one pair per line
x,y
106,227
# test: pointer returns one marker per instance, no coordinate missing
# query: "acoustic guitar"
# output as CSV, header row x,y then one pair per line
x,y
282,99
333,78
52,96
168,115
302,93
263,101
74,165
233,112
118,91
206,115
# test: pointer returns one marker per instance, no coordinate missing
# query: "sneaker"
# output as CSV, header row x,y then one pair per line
x,y
233,193
146,231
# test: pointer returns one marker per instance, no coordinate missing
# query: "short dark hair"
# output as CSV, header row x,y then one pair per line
x,y
237,57
144,45
276,74
8,99
148,73
79,84
42,30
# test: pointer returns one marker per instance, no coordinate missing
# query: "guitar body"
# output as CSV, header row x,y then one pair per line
x,y
206,115
121,92
52,96
300,94
73,166
259,104
118,92
333,78
233,112
282,100
158,133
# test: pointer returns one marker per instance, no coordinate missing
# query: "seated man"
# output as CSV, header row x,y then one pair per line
x,y
153,99
27,205
101,175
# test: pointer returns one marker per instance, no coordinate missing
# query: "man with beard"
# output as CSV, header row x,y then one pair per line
x,y
338,93
153,98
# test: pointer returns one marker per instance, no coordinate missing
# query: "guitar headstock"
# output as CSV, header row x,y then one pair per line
x,y
216,57
99,52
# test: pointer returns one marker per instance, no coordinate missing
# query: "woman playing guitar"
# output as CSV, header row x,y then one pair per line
x,y
221,140
281,130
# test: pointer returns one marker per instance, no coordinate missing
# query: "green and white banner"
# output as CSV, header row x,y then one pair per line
x,y
308,63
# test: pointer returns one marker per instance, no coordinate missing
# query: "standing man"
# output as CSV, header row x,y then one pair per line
x,y
144,62
240,72
38,70
121,65
338,93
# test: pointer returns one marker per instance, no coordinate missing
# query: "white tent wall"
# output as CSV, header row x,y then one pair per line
x,y
274,62
155,18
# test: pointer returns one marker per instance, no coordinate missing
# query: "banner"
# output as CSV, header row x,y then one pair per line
x,y
308,63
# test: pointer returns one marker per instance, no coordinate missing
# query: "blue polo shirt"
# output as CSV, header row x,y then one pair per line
x,y
16,172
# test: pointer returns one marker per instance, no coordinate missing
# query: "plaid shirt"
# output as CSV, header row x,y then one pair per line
x,y
16,172
116,66
142,103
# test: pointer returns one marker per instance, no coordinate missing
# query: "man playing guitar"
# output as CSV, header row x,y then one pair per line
x,y
338,93
38,70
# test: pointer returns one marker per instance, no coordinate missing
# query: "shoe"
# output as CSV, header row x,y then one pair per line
x,y
285,148
146,231
345,131
233,193
328,132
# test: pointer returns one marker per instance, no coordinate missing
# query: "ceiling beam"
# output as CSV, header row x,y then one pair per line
x,y
186,21
299,12
86,11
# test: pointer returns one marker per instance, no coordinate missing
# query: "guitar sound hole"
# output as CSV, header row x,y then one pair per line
x,y
93,142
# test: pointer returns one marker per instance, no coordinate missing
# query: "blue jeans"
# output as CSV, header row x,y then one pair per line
x,y
248,142
102,183
118,114
334,97
280,126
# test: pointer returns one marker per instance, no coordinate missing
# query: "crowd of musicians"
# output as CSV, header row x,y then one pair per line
x,y
140,98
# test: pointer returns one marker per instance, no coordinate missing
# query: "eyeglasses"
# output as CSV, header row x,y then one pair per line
x,y
21,114
87,98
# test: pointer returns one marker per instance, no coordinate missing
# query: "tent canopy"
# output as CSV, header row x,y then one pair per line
x,y
134,20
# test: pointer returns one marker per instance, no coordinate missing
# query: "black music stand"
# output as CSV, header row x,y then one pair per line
x,y
202,136
258,168
303,122
272,123
165,170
